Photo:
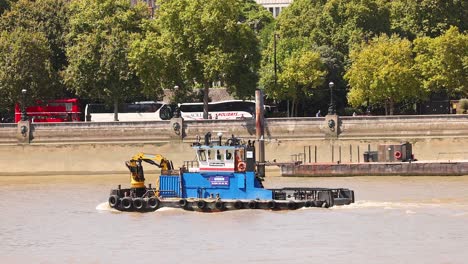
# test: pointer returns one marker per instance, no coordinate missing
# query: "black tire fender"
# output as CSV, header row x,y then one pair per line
x,y
113,201
238,204
127,203
138,203
219,205
201,204
183,203
252,204
153,203
271,204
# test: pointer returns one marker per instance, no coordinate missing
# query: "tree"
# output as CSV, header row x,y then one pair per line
x,y
382,72
442,62
302,72
98,49
205,41
326,27
430,18
48,17
24,64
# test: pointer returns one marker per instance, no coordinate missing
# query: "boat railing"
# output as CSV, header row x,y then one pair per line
x,y
191,164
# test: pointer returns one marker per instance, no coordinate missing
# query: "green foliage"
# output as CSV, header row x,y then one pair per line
x,y
301,72
99,42
4,5
24,64
48,17
194,43
382,72
326,27
430,18
443,62
463,105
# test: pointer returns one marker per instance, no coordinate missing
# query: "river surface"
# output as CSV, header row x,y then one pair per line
x,y
66,219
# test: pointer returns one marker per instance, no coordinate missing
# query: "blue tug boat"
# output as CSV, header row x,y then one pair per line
x,y
223,177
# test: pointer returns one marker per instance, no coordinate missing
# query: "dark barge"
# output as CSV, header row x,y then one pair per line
x,y
414,168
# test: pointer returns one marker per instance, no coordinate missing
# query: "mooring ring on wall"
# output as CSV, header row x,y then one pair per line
x,y
24,130
176,127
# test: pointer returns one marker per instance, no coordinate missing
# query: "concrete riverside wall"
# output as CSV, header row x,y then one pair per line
x,y
95,147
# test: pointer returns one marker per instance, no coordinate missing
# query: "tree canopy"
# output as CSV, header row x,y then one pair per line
x,y
98,47
382,73
24,64
206,41
112,51
442,62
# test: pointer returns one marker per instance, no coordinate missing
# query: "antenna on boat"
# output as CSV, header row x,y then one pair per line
x,y
208,138
259,129
220,137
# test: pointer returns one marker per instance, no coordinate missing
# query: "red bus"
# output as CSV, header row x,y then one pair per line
x,y
58,110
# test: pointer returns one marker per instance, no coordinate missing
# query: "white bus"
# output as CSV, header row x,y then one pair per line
x,y
224,110
139,111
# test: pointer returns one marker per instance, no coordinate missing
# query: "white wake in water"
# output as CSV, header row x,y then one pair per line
x,y
389,205
105,207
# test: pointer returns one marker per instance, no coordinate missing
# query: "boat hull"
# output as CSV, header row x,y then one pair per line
x,y
283,199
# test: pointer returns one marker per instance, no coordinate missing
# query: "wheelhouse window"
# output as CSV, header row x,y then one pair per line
x,y
201,155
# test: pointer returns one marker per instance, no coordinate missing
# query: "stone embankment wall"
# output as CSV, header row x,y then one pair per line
x,y
91,147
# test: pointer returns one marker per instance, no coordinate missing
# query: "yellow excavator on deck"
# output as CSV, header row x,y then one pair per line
x,y
137,178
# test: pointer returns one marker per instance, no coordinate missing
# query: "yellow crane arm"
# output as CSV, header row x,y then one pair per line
x,y
136,170
154,159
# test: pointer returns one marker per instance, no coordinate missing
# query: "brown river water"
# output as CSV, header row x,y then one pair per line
x,y
66,219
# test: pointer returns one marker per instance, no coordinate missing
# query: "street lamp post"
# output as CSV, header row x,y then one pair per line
x,y
176,113
331,109
24,115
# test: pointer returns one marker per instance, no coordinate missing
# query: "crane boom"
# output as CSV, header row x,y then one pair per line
x,y
136,169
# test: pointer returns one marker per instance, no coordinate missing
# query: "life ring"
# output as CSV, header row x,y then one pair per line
x,y
397,155
138,203
113,201
241,166
153,203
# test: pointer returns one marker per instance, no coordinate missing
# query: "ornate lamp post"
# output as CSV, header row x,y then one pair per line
x,y
24,115
331,109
